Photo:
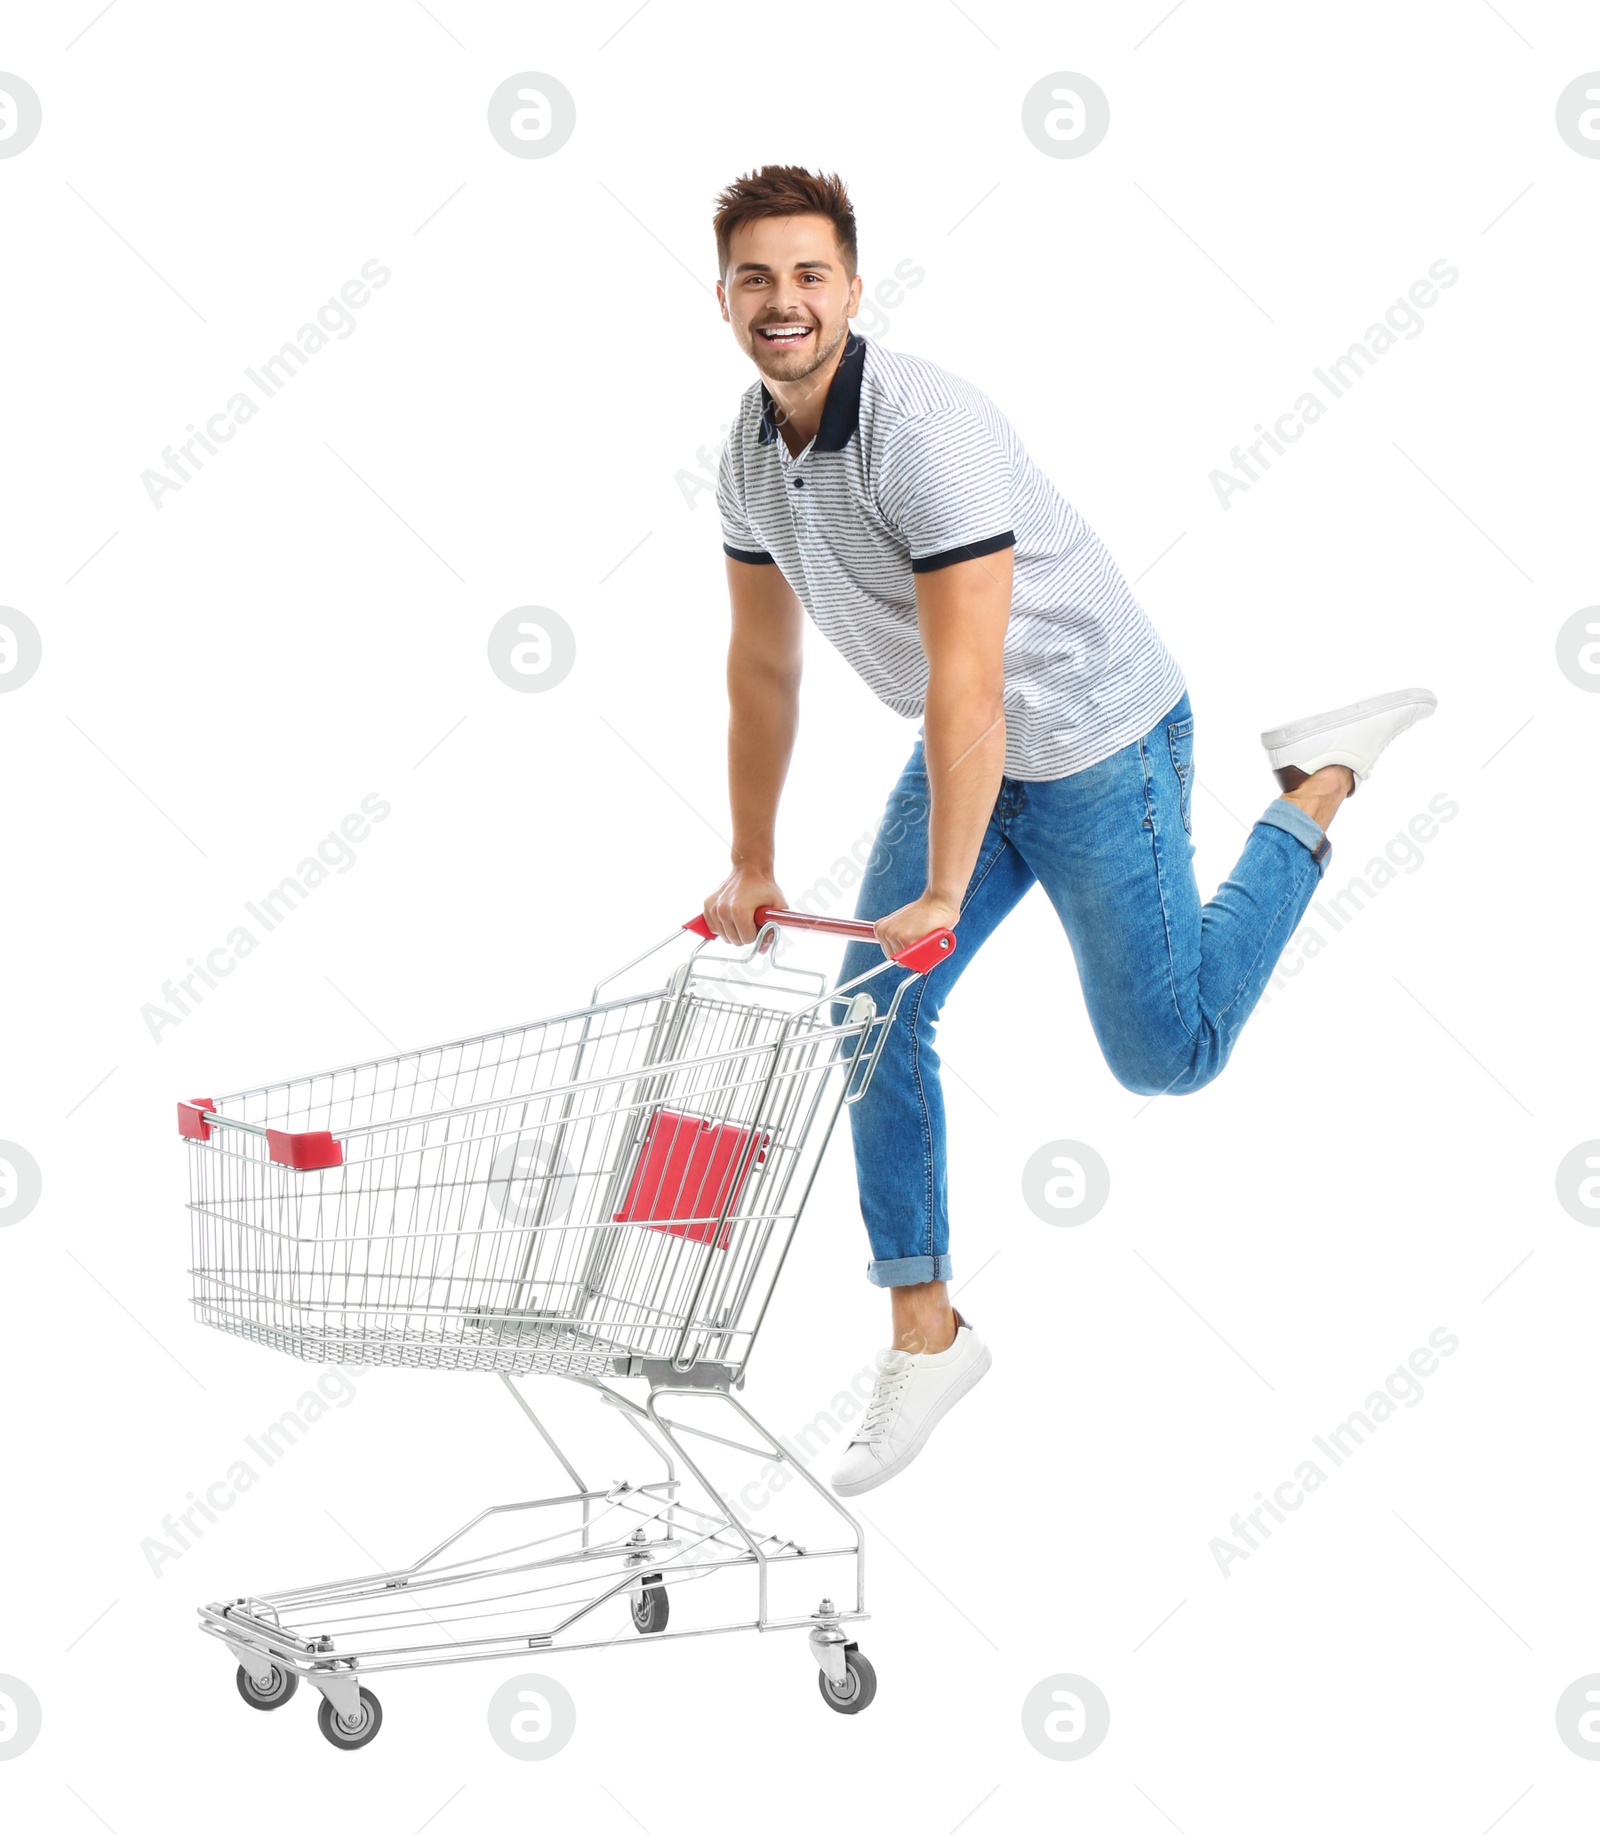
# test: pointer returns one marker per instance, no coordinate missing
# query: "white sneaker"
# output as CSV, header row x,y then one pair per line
x,y
1352,736
915,1390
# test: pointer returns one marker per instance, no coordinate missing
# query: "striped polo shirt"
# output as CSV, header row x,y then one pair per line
x,y
910,470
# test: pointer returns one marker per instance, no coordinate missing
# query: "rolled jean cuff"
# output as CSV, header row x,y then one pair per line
x,y
1293,820
908,1270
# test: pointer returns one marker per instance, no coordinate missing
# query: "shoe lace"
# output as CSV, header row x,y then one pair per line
x,y
894,1372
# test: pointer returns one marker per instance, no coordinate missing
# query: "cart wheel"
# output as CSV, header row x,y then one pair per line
x,y
650,1610
347,1737
856,1691
283,1684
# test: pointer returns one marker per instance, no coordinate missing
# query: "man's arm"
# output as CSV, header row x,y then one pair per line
x,y
764,651
962,611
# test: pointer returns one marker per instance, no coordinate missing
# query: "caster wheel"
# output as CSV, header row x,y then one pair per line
x,y
650,1610
856,1691
283,1684
344,1735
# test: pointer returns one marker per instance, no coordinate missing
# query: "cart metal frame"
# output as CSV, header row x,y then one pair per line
x,y
370,1239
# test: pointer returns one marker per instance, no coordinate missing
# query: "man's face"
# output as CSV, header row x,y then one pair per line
x,y
787,296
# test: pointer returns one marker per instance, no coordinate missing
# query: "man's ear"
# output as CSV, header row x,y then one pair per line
x,y
722,302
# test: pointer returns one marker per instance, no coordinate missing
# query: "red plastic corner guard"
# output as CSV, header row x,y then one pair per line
x,y
192,1124
309,1152
929,952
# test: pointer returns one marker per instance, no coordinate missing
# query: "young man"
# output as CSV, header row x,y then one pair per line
x,y
896,505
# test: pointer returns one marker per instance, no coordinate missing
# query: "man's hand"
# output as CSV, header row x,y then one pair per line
x,y
731,909
911,923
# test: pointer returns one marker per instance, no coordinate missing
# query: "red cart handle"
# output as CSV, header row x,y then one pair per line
x,y
928,952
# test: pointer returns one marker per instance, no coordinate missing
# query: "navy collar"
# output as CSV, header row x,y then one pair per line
x,y
841,411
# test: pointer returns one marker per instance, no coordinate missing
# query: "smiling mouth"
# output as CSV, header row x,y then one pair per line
x,y
782,336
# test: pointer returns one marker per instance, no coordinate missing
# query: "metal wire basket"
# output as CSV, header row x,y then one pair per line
x,y
613,1184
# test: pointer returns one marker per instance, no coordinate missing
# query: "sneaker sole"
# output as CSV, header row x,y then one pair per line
x,y
975,1376
1421,698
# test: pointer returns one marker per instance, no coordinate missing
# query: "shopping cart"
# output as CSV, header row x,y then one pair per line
x,y
609,1193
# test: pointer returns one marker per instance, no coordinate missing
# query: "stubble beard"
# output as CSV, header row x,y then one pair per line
x,y
824,354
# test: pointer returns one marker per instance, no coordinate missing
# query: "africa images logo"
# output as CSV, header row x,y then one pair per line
x,y
1402,320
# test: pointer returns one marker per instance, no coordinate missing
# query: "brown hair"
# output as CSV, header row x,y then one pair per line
x,y
785,191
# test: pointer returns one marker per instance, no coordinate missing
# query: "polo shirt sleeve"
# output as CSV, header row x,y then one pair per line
x,y
738,538
944,485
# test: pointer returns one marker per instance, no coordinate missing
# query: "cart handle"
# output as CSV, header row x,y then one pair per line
x,y
928,952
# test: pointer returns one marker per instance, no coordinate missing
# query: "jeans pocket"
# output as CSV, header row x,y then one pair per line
x,y
1180,743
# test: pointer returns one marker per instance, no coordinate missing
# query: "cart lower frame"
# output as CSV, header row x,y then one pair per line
x,y
335,1635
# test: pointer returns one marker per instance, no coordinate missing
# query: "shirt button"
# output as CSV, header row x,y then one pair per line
x,y
799,484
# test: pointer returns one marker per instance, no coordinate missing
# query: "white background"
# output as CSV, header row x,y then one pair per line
x,y
305,623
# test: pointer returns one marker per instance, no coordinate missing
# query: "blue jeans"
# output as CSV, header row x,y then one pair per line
x,y
1167,981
